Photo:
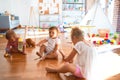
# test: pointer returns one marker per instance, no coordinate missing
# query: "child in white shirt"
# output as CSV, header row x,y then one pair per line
x,y
53,45
85,55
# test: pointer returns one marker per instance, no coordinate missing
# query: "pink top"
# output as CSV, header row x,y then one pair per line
x,y
12,44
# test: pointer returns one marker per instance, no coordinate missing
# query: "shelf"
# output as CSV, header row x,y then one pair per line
x,y
72,11
73,3
48,21
49,14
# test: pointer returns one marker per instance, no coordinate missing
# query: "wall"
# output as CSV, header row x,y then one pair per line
x,y
116,17
3,7
110,11
22,9
89,3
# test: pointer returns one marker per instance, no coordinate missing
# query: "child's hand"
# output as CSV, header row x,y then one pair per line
x,y
66,60
38,44
43,58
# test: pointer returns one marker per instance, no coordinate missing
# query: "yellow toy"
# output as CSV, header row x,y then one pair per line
x,y
6,55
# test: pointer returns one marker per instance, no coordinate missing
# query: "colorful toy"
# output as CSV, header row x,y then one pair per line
x,y
113,41
115,36
107,35
94,42
108,41
105,41
111,34
119,43
93,35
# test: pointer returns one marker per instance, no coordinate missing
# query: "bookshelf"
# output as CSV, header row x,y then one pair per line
x,y
49,11
72,11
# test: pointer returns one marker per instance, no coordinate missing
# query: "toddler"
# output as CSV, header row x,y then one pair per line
x,y
13,42
53,45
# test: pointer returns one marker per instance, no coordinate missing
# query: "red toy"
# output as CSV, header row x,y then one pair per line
x,y
119,43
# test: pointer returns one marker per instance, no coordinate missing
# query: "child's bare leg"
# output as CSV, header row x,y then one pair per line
x,y
62,53
42,49
52,56
66,67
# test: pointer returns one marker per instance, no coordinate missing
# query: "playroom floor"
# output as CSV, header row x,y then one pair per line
x,y
25,67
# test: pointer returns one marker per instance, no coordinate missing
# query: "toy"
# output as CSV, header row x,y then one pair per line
x,y
105,41
30,43
113,41
115,36
20,44
107,35
119,43
93,35
6,55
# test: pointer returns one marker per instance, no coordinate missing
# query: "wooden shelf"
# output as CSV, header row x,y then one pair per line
x,y
71,9
49,12
73,3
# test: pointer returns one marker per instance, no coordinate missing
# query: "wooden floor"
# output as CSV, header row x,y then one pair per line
x,y
25,67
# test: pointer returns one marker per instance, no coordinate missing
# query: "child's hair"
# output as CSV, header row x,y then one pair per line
x,y
76,32
9,34
54,28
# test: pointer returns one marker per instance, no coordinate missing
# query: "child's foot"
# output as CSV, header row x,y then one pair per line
x,y
63,56
37,53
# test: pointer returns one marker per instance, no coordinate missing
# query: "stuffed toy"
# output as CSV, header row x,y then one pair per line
x,y
30,43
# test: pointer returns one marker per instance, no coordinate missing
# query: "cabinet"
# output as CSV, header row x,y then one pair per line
x,y
7,23
49,12
72,12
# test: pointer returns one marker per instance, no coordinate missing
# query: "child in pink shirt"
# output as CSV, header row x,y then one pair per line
x,y
12,44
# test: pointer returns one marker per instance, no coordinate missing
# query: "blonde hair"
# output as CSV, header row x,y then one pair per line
x,y
76,32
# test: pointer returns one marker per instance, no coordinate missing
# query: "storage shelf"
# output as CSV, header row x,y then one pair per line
x,y
49,14
73,3
48,21
72,11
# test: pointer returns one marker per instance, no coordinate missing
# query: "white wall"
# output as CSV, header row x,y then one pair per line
x,y
4,5
20,8
110,11
109,7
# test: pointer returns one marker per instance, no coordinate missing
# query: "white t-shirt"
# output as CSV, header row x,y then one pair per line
x,y
51,44
85,58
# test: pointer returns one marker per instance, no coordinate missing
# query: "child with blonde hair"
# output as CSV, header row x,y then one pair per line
x,y
84,59
53,45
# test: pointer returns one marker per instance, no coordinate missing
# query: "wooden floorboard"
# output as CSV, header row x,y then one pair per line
x,y
25,67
